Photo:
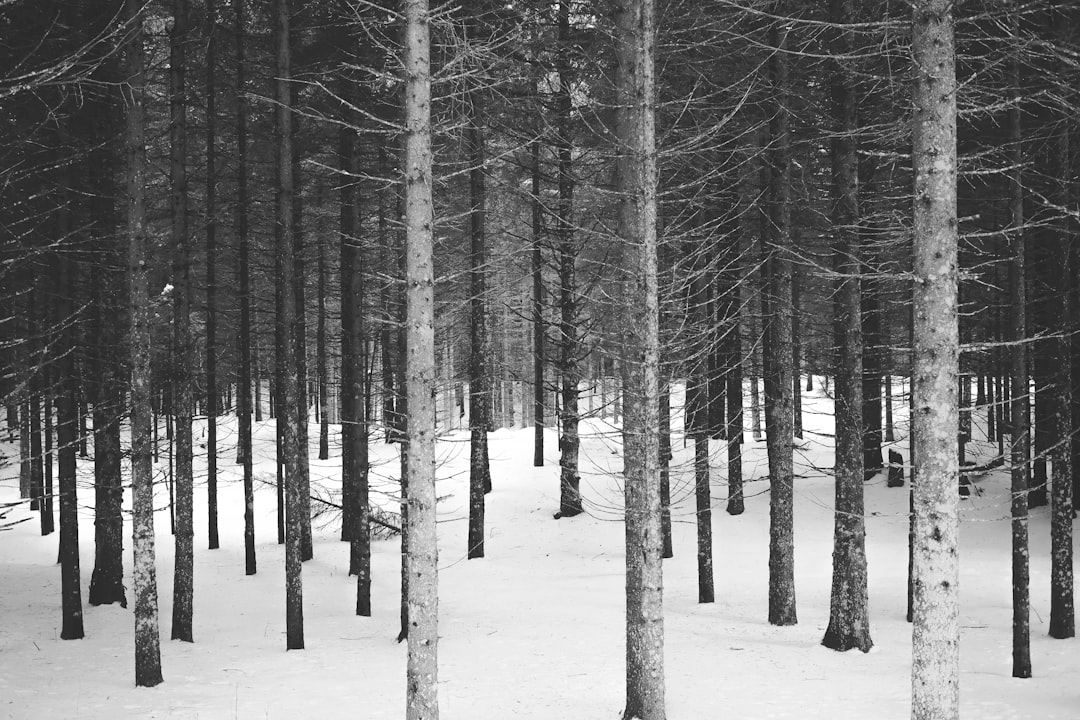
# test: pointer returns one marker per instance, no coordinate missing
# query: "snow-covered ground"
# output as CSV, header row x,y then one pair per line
x,y
535,629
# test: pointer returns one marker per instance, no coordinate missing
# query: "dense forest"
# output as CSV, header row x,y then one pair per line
x,y
293,258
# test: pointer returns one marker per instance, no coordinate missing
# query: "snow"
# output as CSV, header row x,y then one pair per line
x,y
534,630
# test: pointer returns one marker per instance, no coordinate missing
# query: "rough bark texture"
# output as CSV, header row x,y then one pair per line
x,y
569,343
183,536
936,632
288,391
849,622
778,370
147,638
421,699
636,173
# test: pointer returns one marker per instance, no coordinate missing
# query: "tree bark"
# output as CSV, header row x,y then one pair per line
x,y
537,309
569,343
423,605
849,622
212,404
183,381
288,391
778,371
147,639
247,341
936,632
479,347
636,180
1021,580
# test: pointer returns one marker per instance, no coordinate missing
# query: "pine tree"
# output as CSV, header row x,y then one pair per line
x,y
936,632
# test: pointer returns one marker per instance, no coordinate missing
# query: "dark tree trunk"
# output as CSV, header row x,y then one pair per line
x,y
107,579
665,467
354,426
1062,610
849,621
246,344
213,541
778,371
796,349
321,371
288,391
537,309
183,380
704,518
298,332
479,348
872,347
1021,621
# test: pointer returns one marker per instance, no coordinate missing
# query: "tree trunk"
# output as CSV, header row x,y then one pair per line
x,y
479,347
354,427
704,518
321,371
1062,611
569,344
796,351
213,541
636,173
422,552
66,418
246,339
183,575
778,371
849,621
665,467
936,634
288,390
147,639
298,333
537,309
1021,580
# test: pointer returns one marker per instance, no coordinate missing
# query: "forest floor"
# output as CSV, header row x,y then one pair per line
x,y
535,629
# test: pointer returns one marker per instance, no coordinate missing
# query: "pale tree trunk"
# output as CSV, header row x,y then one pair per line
x,y
636,186
1021,577
212,405
288,391
778,371
246,338
147,638
936,634
421,699
849,622
184,567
